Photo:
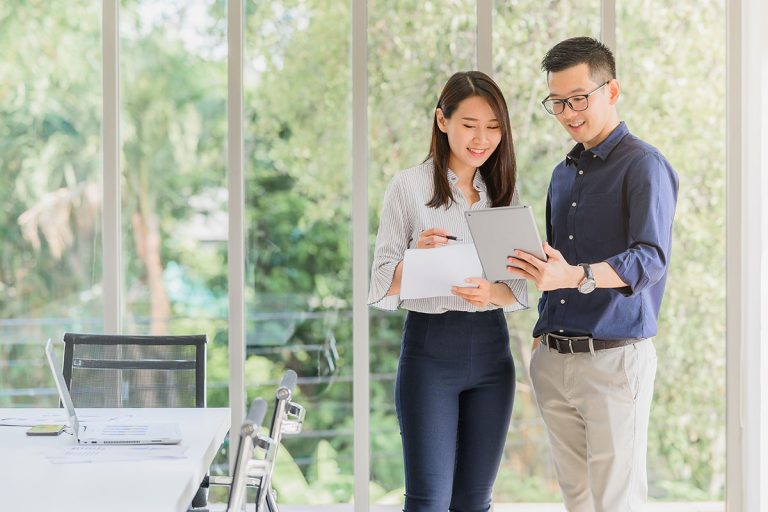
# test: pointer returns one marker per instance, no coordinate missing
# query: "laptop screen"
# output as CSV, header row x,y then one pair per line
x,y
61,386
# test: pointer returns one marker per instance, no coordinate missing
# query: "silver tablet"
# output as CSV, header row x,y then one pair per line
x,y
497,232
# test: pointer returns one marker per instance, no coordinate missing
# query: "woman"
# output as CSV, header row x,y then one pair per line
x,y
456,378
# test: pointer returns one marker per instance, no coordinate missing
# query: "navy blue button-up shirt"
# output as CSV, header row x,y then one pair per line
x,y
613,203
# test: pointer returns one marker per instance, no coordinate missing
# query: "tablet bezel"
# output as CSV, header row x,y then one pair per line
x,y
498,232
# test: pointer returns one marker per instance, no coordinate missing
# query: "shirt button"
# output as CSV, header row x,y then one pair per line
x,y
562,301
573,204
594,155
560,330
570,237
581,172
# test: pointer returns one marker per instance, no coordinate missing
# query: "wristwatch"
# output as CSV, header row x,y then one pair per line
x,y
587,285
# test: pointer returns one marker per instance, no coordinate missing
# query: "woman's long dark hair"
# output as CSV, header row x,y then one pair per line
x,y
499,171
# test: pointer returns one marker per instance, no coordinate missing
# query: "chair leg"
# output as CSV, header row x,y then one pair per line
x,y
271,503
201,498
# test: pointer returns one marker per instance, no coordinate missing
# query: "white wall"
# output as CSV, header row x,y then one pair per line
x,y
747,257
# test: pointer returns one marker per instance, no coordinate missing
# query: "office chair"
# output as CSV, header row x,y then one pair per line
x,y
287,419
247,469
103,370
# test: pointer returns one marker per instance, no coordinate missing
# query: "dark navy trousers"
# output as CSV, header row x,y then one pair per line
x,y
454,392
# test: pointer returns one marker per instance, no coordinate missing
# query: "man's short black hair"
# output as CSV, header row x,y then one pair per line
x,y
581,50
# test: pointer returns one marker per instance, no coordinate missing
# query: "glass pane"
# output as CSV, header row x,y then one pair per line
x,y
50,156
410,57
523,31
174,190
298,218
671,63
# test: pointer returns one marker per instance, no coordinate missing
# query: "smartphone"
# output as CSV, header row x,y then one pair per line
x,y
45,430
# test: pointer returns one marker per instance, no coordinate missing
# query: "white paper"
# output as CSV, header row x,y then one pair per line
x,y
22,419
432,272
80,454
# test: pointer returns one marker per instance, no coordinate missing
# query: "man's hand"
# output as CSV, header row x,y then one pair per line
x,y
553,274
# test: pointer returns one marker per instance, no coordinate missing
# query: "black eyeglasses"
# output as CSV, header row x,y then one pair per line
x,y
577,103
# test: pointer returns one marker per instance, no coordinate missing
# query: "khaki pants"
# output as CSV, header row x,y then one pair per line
x,y
596,410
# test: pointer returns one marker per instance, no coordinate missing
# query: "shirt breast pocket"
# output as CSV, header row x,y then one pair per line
x,y
601,220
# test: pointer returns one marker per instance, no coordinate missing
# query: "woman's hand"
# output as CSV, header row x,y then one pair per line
x,y
479,296
433,237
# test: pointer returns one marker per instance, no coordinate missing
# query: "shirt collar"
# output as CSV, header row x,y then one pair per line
x,y
602,150
478,182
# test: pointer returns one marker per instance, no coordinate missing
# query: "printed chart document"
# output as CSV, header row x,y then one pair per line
x,y
432,272
29,419
79,454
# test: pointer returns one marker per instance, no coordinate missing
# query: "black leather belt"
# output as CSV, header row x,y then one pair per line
x,y
579,344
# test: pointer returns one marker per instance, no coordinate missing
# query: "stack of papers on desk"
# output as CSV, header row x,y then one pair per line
x,y
432,272
29,419
80,454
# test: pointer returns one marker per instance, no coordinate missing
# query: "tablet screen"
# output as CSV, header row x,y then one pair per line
x,y
498,232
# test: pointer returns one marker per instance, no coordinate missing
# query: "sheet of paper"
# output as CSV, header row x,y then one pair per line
x,y
81,454
22,419
432,272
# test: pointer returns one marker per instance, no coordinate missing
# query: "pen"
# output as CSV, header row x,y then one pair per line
x,y
449,237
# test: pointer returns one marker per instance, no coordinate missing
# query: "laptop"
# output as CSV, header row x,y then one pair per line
x,y
107,432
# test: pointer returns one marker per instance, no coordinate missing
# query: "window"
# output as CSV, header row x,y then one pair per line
x,y
50,262
298,221
671,61
298,214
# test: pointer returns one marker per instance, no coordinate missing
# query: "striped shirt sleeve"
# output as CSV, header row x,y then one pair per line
x,y
392,240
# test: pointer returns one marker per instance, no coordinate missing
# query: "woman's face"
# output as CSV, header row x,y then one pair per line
x,y
473,134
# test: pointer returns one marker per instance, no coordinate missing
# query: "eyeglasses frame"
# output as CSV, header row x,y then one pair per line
x,y
567,101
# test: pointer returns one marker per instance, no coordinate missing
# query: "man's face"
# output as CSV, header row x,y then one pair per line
x,y
593,125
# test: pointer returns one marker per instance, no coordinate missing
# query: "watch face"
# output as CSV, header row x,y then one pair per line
x,y
587,286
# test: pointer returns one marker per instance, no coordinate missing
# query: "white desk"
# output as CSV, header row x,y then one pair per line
x,y
30,483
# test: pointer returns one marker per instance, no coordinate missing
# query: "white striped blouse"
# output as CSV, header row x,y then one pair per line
x,y
404,215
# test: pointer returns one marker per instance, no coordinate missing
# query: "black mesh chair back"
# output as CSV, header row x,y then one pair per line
x,y
103,370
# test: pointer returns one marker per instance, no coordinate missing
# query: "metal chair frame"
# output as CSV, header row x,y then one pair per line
x,y
287,419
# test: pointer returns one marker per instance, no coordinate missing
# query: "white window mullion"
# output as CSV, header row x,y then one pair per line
x,y
111,229
733,420
484,44
360,268
608,23
236,206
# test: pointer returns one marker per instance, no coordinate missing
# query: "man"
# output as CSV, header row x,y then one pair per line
x,y
610,207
